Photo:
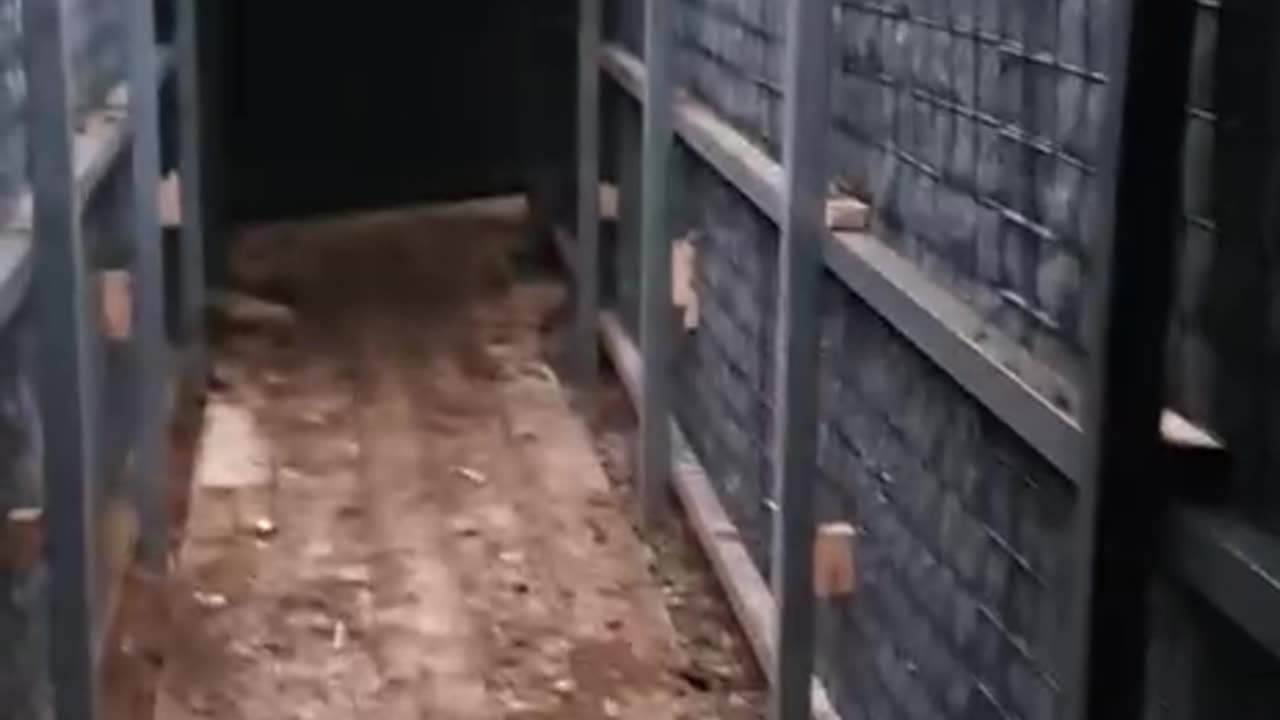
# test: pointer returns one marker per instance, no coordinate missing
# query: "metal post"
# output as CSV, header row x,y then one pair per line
x,y
191,173
807,98
150,345
655,262
68,397
588,246
1122,499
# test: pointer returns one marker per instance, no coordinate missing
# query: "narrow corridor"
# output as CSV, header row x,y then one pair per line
x,y
397,515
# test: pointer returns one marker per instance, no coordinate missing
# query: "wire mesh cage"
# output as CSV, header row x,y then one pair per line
x,y
23,621
725,370
729,55
624,24
24,625
12,107
974,130
103,204
1191,354
96,35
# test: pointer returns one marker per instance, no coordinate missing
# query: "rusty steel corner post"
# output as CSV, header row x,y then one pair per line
x,y
655,263
807,97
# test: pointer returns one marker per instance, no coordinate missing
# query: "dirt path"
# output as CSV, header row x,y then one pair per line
x,y
435,536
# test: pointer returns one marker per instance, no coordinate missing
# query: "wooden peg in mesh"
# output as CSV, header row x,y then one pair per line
x,y
835,565
116,293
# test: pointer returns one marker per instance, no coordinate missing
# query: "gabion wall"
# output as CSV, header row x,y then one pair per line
x,y
725,371
972,127
1225,333
98,51
964,533
965,536
23,618
13,95
729,55
1191,358
23,621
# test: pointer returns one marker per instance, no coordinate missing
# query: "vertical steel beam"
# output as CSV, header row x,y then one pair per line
x,y
68,396
807,97
655,261
587,250
1122,500
150,345
192,175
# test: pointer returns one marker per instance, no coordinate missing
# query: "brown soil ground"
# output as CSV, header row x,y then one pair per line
x,y
445,542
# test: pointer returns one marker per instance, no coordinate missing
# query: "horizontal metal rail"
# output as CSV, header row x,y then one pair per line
x,y
938,324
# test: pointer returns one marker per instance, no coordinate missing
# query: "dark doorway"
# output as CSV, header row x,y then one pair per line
x,y
329,108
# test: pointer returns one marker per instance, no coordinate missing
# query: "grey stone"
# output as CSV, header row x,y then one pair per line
x,y
1059,278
